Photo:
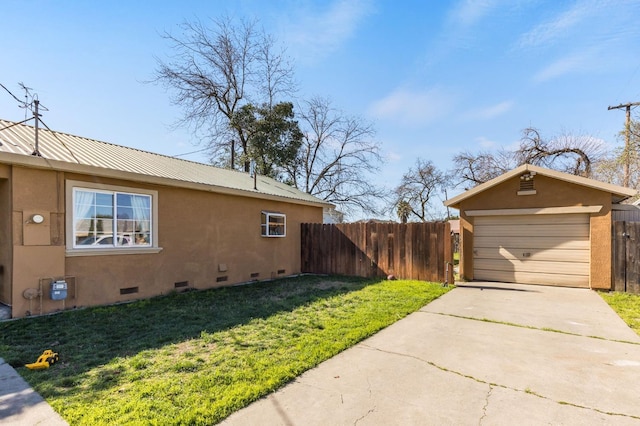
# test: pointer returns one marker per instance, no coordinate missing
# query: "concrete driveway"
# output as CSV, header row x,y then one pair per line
x,y
483,354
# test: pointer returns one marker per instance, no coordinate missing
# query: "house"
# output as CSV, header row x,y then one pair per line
x,y
331,215
90,223
538,226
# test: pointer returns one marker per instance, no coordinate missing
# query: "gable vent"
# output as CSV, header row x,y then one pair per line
x,y
527,183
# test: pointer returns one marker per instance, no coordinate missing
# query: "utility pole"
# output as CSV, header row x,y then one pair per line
x,y
627,139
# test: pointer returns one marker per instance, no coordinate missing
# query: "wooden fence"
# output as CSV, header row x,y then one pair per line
x,y
417,251
626,256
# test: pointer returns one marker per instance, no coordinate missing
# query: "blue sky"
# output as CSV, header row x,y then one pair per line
x,y
434,77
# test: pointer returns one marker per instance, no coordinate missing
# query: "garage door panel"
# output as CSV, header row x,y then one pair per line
x,y
541,219
533,249
534,254
561,280
524,242
537,267
549,230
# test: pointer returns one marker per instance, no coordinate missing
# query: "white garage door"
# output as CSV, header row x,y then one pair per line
x,y
532,249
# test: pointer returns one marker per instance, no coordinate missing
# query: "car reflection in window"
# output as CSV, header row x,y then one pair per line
x,y
104,240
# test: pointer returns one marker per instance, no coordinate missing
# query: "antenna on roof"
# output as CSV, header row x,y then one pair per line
x,y
36,114
254,172
27,106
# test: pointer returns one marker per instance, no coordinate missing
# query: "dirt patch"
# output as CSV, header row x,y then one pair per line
x,y
329,285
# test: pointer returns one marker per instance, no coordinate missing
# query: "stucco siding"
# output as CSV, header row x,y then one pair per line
x,y
6,240
205,240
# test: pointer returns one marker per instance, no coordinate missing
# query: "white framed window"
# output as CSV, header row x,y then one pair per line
x,y
274,224
110,219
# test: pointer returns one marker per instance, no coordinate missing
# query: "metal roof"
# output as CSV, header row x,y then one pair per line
x,y
61,151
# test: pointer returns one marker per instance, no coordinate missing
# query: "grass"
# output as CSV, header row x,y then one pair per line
x,y
627,306
195,358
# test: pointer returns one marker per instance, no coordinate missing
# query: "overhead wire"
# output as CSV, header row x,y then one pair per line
x,y
189,153
14,96
15,124
60,140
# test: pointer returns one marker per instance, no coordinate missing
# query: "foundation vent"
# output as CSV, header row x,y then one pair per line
x,y
255,274
181,284
221,279
281,271
129,290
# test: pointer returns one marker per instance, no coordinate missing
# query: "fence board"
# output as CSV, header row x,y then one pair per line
x,y
626,256
412,251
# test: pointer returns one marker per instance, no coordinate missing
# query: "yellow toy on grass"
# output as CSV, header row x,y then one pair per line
x,y
47,358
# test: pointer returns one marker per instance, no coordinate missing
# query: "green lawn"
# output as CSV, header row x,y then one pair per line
x,y
627,306
194,358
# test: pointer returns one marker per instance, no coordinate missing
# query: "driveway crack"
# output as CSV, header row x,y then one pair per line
x,y
486,405
495,385
371,410
530,327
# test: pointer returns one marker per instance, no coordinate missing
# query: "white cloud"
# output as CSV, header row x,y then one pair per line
x,y
569,64
413,107
486,143
550,30
468,12
315,34
561,25
393,156
492,111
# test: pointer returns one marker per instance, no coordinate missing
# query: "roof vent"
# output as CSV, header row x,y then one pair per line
x,y
527,184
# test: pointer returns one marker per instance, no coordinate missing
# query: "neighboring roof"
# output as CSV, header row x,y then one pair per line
x,y
61,151
619,193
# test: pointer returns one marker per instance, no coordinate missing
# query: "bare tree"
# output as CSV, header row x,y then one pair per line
x,y
574,154
567,153
337,158
418,190
475,169
216,70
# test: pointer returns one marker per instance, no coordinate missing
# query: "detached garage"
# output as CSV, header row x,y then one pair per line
x,y
538,226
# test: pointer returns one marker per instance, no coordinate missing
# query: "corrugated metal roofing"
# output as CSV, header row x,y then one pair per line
x,y
20,139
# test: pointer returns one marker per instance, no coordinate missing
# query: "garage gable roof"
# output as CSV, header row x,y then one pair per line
x,y
61,151
618,193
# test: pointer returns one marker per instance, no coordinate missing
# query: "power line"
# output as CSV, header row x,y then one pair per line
x,y
189,153
12,95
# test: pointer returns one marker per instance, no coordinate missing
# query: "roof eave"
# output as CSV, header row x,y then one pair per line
x,y
619,193
44,163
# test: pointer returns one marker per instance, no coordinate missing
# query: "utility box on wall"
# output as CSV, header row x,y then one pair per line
x,y
58,290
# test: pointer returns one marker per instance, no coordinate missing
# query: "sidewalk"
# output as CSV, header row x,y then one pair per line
x,y
20,405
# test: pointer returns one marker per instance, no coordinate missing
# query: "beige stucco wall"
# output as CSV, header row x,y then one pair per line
x,y
203,237
550,192
5,235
